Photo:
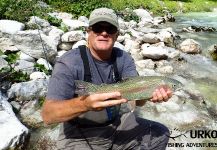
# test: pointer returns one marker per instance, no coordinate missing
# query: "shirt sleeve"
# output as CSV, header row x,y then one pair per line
x,y
129,67
61,84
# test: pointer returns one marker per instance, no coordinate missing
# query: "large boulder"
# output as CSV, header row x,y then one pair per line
x,y
26,91
11,26
13,134
35,45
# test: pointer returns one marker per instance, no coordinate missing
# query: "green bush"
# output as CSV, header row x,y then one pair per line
x,y
128,15
21,10
9,73
78,7
41,68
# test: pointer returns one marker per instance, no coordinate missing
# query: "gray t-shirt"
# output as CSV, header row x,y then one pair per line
x,y
69,67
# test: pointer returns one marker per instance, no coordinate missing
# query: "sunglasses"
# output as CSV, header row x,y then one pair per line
x,y
99,28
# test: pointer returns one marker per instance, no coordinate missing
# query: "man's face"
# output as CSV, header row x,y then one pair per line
x,y
102,36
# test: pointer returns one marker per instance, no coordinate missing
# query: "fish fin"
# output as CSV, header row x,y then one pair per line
x,y
84,88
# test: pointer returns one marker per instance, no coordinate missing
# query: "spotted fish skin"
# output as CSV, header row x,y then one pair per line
x,y
134,88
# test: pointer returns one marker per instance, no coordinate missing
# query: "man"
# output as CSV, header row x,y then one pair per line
x,y
92,121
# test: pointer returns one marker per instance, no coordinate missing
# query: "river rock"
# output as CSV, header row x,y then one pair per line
x,y
11,26
24,66
72,36
30,43
44,62
3,63
131,44
7,45
144,15
150,38
166,37
61,15
78,43
65,46
38,22
147,63
213,51
38,75
190,46
30,90
13,133
199,29
24,56
74,24
165,70
153,52
30,114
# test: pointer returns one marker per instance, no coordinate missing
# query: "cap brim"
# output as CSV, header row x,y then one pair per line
x,y
103,19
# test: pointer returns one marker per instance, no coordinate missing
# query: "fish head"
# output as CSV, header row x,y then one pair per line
x,y
173,84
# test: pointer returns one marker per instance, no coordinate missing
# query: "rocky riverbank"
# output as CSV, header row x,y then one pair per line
x,y
156,51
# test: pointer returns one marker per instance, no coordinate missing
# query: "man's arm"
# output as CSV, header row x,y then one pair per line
x,y
55,111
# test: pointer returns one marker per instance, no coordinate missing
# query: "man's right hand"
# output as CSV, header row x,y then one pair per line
x,y
97,102
55,111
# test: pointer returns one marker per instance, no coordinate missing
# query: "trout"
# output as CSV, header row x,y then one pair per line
x,y
133,88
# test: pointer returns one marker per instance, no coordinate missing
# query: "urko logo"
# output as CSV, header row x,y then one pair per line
x,y
203,133
175,133
193,134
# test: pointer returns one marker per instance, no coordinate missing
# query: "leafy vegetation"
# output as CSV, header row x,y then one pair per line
x,y
9,73
21,10
189,5
78,7
41,101
41,68
128,14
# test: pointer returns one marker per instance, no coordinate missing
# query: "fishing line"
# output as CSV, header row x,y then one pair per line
x,y
42,43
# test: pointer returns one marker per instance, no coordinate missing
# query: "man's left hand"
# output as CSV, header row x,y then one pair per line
x,y
161,94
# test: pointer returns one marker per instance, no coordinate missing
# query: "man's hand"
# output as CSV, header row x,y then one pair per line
x,y
161,94
97,102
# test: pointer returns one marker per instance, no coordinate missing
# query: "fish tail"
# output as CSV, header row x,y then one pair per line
x,y
84,88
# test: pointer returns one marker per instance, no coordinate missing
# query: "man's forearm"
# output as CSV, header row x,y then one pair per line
x,y
55,111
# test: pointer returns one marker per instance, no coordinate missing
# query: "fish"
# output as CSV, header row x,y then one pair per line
x,y
133,88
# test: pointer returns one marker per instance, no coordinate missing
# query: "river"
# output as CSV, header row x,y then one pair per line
x,y
201,68
206,19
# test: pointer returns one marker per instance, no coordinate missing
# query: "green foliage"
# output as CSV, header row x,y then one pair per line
x,y
189,5
54,21
79,7
1,53
64,27
9,73
41,68
11,58
20,10
128,14
41,101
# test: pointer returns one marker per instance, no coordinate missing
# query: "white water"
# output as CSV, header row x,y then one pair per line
x,y
205,19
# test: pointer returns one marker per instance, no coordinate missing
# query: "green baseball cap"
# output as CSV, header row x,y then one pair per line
x,y
103,14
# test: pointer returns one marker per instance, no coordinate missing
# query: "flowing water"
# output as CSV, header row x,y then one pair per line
x,y
201,68
205,19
